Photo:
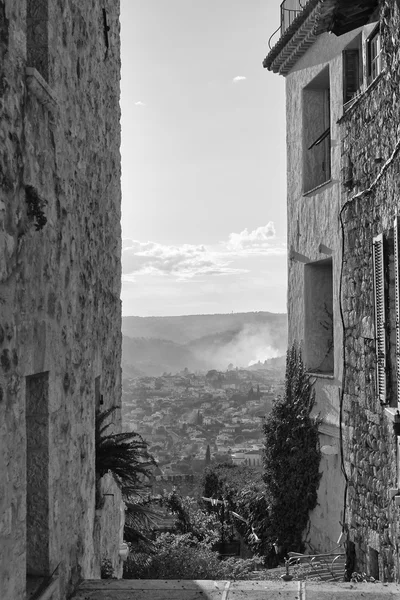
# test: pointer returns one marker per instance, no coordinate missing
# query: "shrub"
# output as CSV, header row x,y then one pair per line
x,y
184,557
291,458
176,557
124,454
190,518
106,569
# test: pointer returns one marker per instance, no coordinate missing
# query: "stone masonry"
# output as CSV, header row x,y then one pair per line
x,y
60,314
370,134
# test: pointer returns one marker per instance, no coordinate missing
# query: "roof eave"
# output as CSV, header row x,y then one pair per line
x,y
318,16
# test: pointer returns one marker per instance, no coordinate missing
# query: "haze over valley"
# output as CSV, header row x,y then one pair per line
x,y
156,345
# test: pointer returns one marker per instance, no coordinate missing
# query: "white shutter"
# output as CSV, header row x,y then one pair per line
x,y
380,317
397,296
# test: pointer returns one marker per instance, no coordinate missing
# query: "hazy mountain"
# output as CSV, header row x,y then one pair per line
x,y
187,328
154,345
143,356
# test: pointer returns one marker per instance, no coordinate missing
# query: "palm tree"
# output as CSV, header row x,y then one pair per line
x,y
126,456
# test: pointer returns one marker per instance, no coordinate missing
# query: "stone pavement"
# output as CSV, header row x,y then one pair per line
x,y
141,589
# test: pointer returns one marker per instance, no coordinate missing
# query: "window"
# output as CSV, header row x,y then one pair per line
x,y
318,314
316,132
352,71
386,279
374,55
380,317
397,301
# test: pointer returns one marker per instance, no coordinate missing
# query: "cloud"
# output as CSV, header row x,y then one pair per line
x,y
238,78
185,261
140,103
261,241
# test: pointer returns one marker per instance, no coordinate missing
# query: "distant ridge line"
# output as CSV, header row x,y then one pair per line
x,y
251,312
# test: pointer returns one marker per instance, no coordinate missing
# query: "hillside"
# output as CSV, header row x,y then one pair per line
x,y
187,328
154,345
153,357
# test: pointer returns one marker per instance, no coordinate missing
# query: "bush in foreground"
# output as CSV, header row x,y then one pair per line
x,y
184,557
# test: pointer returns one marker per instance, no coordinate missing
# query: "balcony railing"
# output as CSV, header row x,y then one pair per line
x,y
290,9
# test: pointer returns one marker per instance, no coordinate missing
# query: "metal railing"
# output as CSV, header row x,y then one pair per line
x,y
325,567
290,9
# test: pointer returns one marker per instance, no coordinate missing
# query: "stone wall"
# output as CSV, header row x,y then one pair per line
x,y
59,275
312,238
109,518
370,133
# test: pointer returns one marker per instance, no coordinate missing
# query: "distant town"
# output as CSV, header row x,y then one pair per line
x,y
190,419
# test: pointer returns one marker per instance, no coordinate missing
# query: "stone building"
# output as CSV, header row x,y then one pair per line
x,y
60,329
341,65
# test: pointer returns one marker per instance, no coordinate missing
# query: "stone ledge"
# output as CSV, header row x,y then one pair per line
x,y
52,591
330,430
390,412
330,376
41,89
358,99
318,187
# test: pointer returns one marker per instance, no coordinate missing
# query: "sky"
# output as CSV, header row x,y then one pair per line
x,y
203,158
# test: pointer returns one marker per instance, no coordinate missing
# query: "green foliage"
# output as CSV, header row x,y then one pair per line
x,y
291,458
225,480
106,569
125,455
185,557
176,557
141,518
252,505
244,491
190,518
36,204
362,578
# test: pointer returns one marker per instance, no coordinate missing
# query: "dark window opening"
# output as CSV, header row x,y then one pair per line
x,y
37,36
318,313
374,55
316,132
37,475
352,70
373,563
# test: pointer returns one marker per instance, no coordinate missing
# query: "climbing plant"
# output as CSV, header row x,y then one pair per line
x,y
291,458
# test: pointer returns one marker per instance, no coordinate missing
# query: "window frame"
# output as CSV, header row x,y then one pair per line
x,y
374,61
352,86
317,147
380,317
396,227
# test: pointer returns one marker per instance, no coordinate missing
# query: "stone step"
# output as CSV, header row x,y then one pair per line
x,y
131,589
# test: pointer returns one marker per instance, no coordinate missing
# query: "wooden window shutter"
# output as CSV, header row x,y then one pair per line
x,y
380,317
397,298
351,81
